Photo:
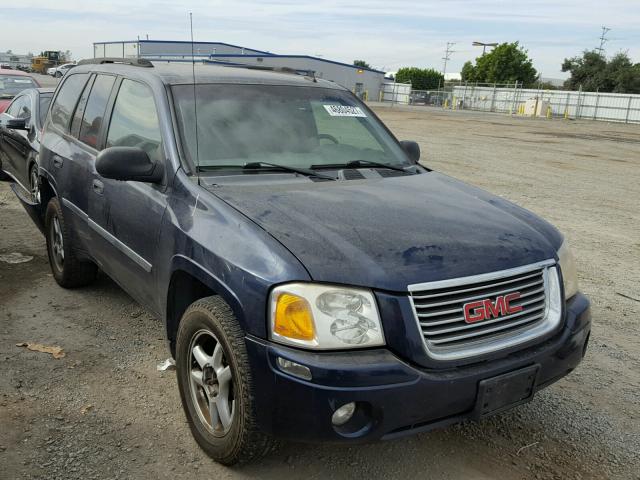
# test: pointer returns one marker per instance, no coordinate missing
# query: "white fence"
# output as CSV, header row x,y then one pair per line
x,y
395,93
613,107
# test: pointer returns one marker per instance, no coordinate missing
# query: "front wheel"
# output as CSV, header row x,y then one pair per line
x,y
68,270
215,382
58,74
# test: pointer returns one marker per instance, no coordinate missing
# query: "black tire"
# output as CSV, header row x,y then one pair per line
x,y
243,441
58,74
70,271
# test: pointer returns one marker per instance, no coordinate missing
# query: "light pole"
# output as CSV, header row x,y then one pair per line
x,y
484,45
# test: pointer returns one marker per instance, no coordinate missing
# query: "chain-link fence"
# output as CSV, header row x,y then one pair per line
x,y
513,99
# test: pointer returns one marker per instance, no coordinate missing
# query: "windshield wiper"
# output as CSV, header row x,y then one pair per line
x,y
364,163
303,171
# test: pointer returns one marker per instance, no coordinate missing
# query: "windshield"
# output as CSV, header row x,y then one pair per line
x,y
292,126
11,85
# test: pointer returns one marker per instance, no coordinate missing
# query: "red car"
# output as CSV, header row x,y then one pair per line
x,y
12,82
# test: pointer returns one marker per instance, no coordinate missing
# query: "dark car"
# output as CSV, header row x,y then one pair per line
x,y
316,283
20,134
12,82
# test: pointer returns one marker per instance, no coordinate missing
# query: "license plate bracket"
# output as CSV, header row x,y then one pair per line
x,y
505,391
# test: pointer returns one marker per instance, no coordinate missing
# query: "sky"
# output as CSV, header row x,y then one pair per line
x,y
387,34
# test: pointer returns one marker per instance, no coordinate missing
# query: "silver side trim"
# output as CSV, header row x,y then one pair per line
x,y
75,209
141,262
534,324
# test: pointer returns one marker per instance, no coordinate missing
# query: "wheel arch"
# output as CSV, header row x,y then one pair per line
x,y
189,282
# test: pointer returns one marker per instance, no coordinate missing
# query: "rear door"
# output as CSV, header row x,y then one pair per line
x,y
126,216
64,162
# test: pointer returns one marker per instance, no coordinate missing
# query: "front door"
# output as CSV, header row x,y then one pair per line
x,y
126,216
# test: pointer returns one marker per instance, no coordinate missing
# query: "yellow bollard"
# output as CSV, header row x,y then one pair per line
x,y
566,114
366,95
453,103
446,104
549,112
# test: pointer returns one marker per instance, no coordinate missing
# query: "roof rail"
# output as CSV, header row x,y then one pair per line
x,y
136,62
310,74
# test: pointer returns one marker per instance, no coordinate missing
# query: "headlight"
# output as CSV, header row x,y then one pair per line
x,y
324,317
569,272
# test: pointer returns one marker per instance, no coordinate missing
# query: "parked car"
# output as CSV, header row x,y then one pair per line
x,y
60,70
20,135
13,82
315,281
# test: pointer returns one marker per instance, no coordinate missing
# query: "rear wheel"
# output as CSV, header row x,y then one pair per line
x,y
68,270
34,183
215,383
58,74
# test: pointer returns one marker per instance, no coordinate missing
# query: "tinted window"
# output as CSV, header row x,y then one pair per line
x,y
20,107
66,100
95,109
14,84
45,101
134,121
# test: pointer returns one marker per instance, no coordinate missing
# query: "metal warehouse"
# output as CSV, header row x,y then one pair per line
x,y
364,82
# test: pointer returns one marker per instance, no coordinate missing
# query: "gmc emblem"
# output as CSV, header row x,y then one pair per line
x,y
486,309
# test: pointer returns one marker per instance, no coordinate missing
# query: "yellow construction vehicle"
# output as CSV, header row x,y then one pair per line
x,y
47,59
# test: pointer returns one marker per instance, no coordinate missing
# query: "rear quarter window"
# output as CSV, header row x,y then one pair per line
x,y
66,99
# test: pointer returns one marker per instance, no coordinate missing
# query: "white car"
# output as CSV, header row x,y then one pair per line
x,y
60,70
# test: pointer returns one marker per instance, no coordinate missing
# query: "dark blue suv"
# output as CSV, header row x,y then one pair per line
x,y
316,282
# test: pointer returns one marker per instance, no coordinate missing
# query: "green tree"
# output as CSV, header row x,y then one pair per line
x,y
420,78
594,72
506,63
361,63
468,73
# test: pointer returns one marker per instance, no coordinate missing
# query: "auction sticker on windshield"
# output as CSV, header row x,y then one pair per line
x,y
344,111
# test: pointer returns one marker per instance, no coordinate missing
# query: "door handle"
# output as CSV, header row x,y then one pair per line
x,y
98,187
57,161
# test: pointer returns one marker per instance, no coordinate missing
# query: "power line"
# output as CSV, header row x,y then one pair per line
x,y
603,40
447,56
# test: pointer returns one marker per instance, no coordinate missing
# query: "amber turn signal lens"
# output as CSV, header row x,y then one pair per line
x,y
293,318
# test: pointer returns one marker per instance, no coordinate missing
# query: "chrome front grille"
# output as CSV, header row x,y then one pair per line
x,y
439,309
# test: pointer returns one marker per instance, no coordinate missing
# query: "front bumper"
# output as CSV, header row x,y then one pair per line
x,y
394,397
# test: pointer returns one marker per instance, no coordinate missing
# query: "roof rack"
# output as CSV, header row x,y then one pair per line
x,y
136,62
310,74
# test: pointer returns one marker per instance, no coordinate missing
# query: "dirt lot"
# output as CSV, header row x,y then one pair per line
x,y
103,411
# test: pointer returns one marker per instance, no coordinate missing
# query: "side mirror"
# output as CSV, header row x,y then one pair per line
x,y
128,163
412,149
14,123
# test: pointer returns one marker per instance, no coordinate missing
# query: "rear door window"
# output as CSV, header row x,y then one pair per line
x,y
134,121
45,101
66,99
95,110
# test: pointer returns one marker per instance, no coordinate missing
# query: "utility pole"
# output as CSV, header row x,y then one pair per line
x,y
603,40
447,56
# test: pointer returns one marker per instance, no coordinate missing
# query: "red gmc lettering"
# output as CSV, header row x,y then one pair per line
x,y
485,309
477,309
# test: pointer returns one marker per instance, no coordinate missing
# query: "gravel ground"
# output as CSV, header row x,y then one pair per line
x,y
103,411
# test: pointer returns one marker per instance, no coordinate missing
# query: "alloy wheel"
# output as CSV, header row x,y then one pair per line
x,y
211,383
57,243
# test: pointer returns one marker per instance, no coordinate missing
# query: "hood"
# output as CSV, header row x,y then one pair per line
x,y
394,232
4,103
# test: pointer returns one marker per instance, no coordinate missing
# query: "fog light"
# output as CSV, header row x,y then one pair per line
x,y
294,368
343,414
